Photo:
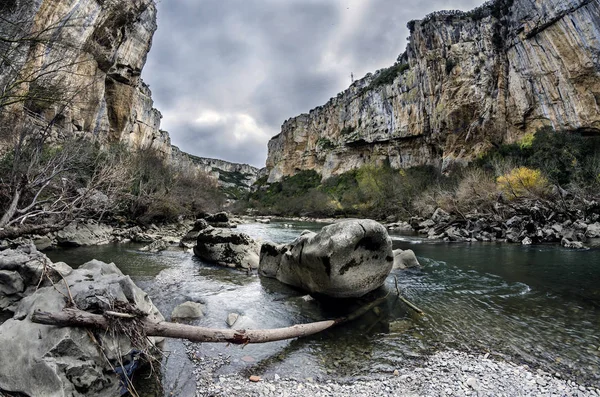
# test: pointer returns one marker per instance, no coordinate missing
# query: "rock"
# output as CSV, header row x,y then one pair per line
x,y
405,259
42,242
400,226
77,234
41,360
232,319
225,247
345,259
157,246
189,240
220,217
571,244
426,224
255,378
188,310
142,238
526,241
11,282
265,221
593,230
440,216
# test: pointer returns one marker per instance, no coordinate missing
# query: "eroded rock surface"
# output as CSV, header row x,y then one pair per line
x,y
346,259
42,360
228,248
467,82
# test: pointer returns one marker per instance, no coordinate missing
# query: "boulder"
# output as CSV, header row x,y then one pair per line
x,y
220,217
189,240
42,360
11,282
188,310
77,234
157,246
225,247
440,216
565,242
400,227
405,259
344,260
593,230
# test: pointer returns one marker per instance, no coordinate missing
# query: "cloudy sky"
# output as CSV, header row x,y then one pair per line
x,y
227,73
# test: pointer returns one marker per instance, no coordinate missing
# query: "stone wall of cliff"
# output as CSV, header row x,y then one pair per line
x,y
99,49
466,83
227,174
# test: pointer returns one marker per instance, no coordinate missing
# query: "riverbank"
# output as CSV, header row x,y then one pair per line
x,y
448,373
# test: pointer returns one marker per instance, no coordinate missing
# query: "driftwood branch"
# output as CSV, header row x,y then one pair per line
x,y
406,301
77,318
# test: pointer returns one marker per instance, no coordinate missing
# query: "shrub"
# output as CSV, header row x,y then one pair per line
x,y
387,76
522,182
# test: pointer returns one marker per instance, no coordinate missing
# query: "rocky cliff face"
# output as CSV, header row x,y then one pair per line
x,y
467,82
99,49
227,174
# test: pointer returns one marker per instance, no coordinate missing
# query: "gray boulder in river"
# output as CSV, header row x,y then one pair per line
x,y
43,360
226,247
344,260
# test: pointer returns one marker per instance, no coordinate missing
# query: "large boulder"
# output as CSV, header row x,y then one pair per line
x,y
226,247
344,260
43,360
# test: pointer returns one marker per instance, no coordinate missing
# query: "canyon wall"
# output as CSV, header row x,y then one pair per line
x,y
227,174
92,52
467,82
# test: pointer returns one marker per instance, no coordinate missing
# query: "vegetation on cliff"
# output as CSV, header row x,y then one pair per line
x,y
548,166
56,164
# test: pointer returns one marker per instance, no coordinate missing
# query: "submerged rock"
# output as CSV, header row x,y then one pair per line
x,y
225,247
43,360
188,310
405,259
344,260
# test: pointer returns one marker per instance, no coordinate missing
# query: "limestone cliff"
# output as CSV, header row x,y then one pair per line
x,y
467,81
97,50
228,175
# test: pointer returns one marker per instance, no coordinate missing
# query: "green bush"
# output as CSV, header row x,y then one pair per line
x,y
387,76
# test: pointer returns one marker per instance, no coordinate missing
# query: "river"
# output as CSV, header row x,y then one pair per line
x,y
538,305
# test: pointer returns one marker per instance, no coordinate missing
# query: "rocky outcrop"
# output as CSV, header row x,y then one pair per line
x,y
227,248
99,50
525,223
78,234
42,360
467,82
228,175
344,260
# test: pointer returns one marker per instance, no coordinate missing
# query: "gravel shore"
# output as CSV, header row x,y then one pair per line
x,y
448,373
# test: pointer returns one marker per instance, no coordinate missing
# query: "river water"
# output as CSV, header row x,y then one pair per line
x,y
537,305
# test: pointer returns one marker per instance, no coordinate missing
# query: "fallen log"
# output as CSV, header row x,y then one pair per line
x,y
70,317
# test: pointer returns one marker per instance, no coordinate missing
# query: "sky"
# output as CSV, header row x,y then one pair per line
x,y
226,74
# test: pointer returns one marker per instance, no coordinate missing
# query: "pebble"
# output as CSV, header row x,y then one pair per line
x,y
443,374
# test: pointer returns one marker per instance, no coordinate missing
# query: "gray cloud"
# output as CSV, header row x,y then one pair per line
x,y
226,73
